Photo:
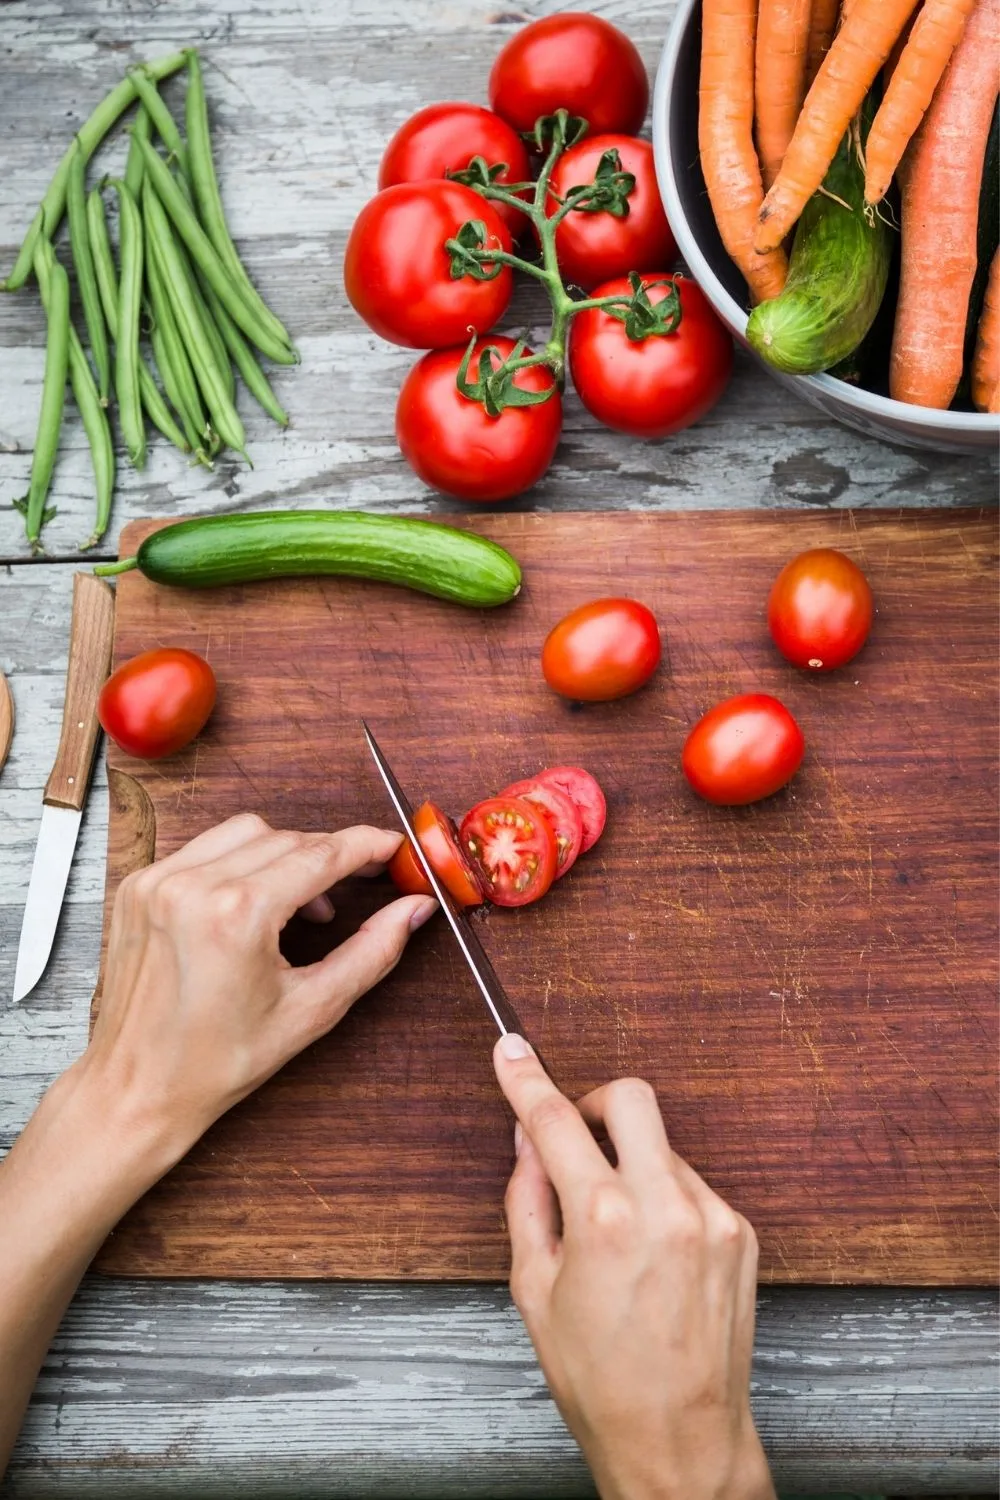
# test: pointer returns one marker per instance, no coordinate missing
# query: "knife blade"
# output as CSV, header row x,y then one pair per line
x,y
91,634
483,972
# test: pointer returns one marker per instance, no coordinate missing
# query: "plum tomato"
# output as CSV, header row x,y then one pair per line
x,y
559,807
452,443
513,846
743,749
602,650
397,272
820,610
657,385
158,702
587,795
439,841
444,138
576,62
598,246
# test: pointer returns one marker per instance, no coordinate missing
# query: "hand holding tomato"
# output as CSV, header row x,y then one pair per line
x,y
158,702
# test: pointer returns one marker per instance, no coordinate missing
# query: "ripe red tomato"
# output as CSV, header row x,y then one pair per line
x,y
439,841
444,138
156,703
820,609
595,247
602,650
513,845
562,812
576,62
397,271
656,385
452,443
743,749
587,795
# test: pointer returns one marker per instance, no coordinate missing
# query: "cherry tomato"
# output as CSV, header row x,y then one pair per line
x,y
513,845
576,62
439,841
587,795
602,650
595,247
742,750
820,610
452,443
156,703
656,385
398,274
444,138
562,812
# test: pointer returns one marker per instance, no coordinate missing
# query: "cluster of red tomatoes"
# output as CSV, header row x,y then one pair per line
x,y
407,287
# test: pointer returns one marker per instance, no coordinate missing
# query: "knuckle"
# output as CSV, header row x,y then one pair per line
x,y
633,1091
249,822
547,1114
233,902
683,1225
609,1212
168,897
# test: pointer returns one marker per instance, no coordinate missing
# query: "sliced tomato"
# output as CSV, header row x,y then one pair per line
x,y
513,845
439,841
562,812
587,795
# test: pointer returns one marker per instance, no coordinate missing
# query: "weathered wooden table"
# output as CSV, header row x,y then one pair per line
x,y
212,1389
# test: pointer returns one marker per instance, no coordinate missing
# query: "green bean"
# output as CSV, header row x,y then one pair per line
x,y
171,356
163,121
142,130
225,418
127,342
53,397
86,277
254,378
92,409
107,283
205,256
220,353
91,133
201,170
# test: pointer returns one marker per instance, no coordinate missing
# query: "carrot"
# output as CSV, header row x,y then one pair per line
x,y
935,35
822,25
986,360
940,178
994,405
725,139
780,78
857,52
892,61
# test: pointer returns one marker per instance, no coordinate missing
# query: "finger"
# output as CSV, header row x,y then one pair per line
x,y
320,910
570,1155
531,1205
298,867
628,1110
325,991
215,842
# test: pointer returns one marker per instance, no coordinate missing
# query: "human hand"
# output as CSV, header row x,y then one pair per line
x,y
637,1285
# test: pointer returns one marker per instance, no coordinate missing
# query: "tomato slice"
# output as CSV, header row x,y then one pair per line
x,y
513,845
587,795
439,841
562,812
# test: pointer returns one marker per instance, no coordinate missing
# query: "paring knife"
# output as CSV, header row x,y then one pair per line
x,y
483,972
90,642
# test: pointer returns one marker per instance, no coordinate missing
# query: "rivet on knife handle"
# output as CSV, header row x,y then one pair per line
x,y
90,643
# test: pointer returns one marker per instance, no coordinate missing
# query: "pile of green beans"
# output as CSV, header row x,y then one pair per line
x,y
178,282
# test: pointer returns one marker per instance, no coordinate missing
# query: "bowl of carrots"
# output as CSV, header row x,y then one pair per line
x,y
806,154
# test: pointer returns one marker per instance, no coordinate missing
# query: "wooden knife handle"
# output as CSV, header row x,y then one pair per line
x,y
91,635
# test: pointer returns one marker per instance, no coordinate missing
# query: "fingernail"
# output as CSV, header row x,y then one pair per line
x,y
513,1046
423,913
518,1137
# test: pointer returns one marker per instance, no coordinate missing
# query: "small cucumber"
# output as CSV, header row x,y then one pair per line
x,y
423,555
836,275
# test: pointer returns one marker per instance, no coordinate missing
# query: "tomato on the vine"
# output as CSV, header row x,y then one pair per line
x,y
452,442
820,610
743,749
594,247
439,841
444,138
156,703
513,844
398,274
576,62
653,386
602,650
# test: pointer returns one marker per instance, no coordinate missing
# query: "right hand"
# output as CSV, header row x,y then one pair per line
x,y
637,1285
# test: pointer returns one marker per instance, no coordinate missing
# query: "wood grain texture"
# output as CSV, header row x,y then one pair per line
x,y
6,719
91,635
809,983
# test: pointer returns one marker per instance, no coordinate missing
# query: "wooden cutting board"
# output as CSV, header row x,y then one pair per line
x,y
810,983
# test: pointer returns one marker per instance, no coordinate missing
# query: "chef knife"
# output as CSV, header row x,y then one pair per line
x,y
473,952
91,635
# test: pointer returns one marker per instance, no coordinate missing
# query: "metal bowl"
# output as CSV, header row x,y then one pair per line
x,y
678,168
